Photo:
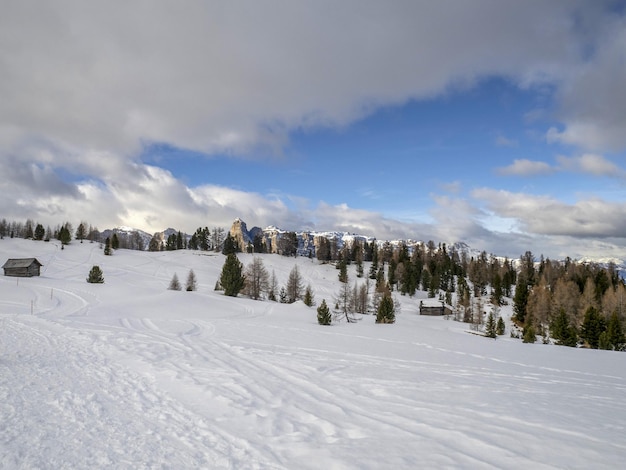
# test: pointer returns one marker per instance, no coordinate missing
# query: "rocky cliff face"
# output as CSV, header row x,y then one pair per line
x,y
308,241
239,232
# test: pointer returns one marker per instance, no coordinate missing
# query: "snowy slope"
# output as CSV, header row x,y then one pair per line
x,y
130,375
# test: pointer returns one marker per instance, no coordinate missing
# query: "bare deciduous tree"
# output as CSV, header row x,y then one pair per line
x,y
257,279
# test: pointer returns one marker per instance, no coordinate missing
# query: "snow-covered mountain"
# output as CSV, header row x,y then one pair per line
x,y
308,241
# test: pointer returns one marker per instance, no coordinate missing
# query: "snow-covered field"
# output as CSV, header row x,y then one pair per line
x,y
128,374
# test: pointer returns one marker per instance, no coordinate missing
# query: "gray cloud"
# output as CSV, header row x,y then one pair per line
x,y
110,76
85,85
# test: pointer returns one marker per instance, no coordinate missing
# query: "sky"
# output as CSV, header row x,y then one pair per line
x,y
496,123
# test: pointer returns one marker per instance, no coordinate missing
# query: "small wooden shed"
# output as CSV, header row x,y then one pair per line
x,y
434,307
22,267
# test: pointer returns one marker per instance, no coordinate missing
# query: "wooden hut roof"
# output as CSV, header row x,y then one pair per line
x,y
20,263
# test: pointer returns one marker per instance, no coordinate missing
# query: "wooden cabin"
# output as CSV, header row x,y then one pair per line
x,y
434,307
22,267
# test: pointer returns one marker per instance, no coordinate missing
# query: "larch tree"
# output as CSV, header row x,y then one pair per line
x,y
257,279
294,285
272,289
174,283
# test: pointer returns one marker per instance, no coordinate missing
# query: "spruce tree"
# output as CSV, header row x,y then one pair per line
x,y
308,296
95,275
593,326
191,284
615,333
232,279
343,271
521,299
174,283
283,295
64,235
81,232
39,232
386,310
490,327
562,330
323,314
529,334
107,247
230,245
115,241
500,327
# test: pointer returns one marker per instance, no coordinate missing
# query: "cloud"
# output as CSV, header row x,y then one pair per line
x,y
97,82
592,102
544,215
502,141
238,77
590,164
524,167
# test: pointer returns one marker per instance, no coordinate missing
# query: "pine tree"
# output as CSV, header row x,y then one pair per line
x,y
283,295
323,314
39,232
107,247
562,330
64,235
521,299
529,334
593,326
115,241
174,283
490,327
232,279
615,333
191,284
308,296
343,271
500,327
386,310
95,275
81,232
230,245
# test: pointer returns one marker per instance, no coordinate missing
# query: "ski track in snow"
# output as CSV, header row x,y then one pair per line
x,y
134,377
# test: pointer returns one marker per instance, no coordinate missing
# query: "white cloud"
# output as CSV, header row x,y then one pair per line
x,y
524,167
545,215
591,164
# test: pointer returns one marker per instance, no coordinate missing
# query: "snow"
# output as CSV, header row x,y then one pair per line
x,y
128,374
